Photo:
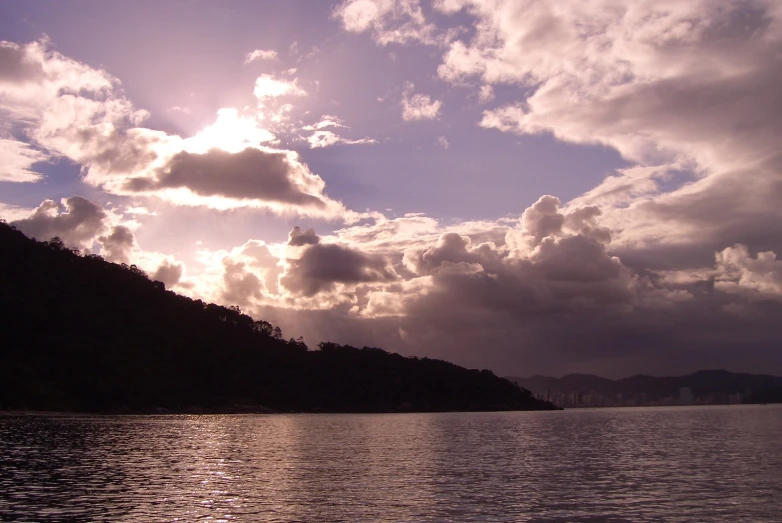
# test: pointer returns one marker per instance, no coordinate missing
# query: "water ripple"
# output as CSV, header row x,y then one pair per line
x,y
611,465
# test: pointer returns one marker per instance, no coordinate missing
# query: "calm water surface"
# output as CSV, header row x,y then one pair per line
x,y
650,464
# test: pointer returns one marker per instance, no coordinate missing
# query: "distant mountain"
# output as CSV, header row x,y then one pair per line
x,y
82,334
701,383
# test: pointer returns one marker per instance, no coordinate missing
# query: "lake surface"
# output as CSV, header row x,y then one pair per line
x,y
646,464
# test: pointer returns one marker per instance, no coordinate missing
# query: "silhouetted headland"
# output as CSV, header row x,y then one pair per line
x,y
82,334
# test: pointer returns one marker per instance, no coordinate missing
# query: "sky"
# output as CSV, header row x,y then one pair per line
x,y
526,186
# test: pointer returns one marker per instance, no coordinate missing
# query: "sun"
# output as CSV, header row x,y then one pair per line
x,y
231,132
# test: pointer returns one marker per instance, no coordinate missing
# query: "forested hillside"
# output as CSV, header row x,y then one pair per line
x,y
78,333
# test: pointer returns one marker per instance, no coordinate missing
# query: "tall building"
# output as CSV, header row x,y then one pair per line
x,y
685,396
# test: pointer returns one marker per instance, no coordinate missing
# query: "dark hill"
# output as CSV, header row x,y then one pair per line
x,y
79,333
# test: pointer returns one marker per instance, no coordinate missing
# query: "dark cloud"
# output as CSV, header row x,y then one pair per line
x,y
695,335
320,266
117,245
77,222
241,286
169,273
248,174
298,237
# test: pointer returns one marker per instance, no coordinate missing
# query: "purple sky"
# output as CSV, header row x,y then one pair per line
x,y
531,187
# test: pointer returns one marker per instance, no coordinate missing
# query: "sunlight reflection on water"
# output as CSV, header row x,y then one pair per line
x,y
672,464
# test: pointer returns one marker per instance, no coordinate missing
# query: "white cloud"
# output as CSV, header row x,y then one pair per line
x,y
417,106
178,109
442,141
675,87
17,160
389,21
486,94
12,213
268,87
755,278
70,109
260,54
329,138
325,121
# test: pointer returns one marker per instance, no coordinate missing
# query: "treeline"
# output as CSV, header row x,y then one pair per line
x,y
78,333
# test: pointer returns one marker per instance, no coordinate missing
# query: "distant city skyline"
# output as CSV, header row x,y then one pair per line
x,y
705,387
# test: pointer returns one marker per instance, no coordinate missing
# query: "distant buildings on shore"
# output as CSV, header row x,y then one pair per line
x,y
594,399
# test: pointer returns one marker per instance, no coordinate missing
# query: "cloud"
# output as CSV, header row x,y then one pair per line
x,y
325,121
84,225
442,141
299,237
328,138
269,87
486,94
542,292
274,177
241,287
389,21
685,91
756,278
70,109
117,245
170,273
17,160
12,213
417,106
178,109
317,267
260,54
16,66
75,220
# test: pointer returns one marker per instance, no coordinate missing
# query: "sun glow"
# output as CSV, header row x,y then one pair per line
x,y
231,133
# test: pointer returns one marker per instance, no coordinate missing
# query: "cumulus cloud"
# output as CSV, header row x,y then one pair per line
x,y
542,291
687,88
241,287
117,245
251,174
317,267
299,237
686,91
170,273
84,225
417,106
260,54
70,109
756,278
75,220
519,294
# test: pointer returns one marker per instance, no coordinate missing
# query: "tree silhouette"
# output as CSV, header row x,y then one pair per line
x,y
80,333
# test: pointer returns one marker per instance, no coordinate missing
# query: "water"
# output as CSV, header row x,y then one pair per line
x,y
646,464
